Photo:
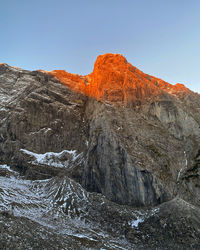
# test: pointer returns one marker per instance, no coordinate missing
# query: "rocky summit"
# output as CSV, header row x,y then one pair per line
x,y
109,160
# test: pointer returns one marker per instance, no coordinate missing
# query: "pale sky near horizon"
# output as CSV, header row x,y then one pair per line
x,y
161,38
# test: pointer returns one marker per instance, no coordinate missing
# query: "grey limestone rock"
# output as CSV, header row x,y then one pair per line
x,y
133,155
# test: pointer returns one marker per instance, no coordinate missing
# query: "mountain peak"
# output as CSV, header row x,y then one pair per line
x,y
116,80
111,60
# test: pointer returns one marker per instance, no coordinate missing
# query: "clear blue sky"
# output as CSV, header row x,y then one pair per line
x,y
160,37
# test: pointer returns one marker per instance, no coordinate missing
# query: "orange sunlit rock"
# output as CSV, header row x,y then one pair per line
x,y
180,87
114,79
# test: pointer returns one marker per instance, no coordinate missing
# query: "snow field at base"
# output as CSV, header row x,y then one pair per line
x,y
59,198
53,203
40,201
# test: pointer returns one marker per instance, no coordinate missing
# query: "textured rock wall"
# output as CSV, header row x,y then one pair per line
x,y
134,154
42,116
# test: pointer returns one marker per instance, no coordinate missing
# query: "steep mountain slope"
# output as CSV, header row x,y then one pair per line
x,y
117,131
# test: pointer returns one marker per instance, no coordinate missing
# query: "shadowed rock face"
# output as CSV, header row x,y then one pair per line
x,y
110,168
134,136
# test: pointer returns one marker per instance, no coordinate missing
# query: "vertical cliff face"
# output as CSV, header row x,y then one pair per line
x,y
112,164
117,131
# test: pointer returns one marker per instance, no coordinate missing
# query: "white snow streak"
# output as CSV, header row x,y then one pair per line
x,y
186,165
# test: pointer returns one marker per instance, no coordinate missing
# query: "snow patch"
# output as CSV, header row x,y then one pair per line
x,y
48,129
136,222
4,166
141,217
54,159
179,174
186,161
154,211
